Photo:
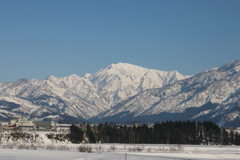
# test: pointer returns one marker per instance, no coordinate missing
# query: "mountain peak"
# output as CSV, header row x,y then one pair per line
x,y
74,76
126,68
50,77
21,81
119,65
86,75
232,65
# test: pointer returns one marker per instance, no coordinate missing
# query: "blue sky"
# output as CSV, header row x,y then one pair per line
x,y
53,37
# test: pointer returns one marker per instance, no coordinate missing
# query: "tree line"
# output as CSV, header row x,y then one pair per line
x,y
169,132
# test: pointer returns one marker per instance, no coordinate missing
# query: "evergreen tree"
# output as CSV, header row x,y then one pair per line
x,y
225,137
237,138
90,134
173,132
200,133
76,134
231,140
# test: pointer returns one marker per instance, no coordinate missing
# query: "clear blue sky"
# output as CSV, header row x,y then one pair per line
x,y
53,37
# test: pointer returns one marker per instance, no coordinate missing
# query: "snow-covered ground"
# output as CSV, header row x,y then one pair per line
x,y
190,152
46,149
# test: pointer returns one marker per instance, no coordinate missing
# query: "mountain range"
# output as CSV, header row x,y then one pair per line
x,y
80,97
125,92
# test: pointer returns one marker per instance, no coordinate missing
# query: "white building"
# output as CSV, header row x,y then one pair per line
x,y
22,123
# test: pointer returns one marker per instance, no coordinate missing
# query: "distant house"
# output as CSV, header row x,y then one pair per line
x,y
43,125
9,128
63,128
13,121
22,123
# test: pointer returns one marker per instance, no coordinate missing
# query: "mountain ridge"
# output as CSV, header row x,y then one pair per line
x,y
125,92
86,96
219,86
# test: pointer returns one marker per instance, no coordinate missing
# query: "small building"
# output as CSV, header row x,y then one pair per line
x,y
26,128
9,128
43,125
13,121
22,123
63,128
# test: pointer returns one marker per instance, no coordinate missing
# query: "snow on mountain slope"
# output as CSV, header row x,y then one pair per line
x,y
219,86
85,96
72,95
128,91
120,81
11,106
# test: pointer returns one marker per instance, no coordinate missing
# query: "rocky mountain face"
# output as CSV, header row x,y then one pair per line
x,y
211,95
77,97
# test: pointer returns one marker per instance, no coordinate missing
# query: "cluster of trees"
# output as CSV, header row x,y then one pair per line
x,y
77,135
169,132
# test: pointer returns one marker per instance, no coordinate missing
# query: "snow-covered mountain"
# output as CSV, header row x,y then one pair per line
x,y
80,97
120,81
210,95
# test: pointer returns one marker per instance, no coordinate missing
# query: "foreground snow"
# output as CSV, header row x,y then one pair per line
x,y
44,148
190,152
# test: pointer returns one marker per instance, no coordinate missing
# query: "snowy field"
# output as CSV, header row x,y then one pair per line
x,y
189,152
45,149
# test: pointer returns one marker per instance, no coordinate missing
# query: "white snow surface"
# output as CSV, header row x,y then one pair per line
x,y
150,151
193,152
38,150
